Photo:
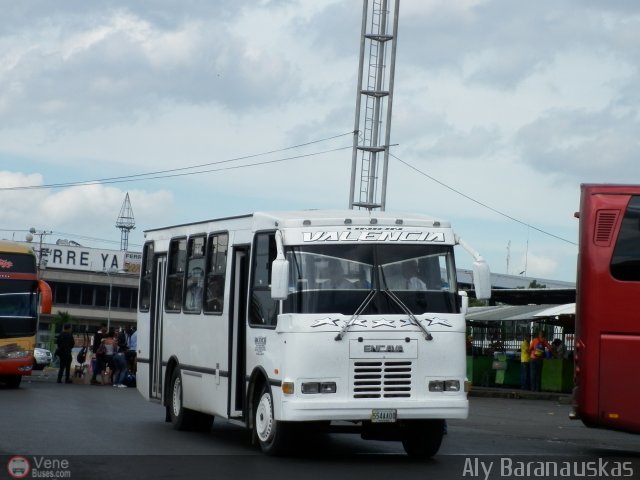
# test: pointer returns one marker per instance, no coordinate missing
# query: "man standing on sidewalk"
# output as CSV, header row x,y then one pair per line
x,y
537,350
98,360
525,377
65,345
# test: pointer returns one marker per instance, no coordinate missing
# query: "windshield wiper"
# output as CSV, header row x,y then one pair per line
x,y
365,303
402,306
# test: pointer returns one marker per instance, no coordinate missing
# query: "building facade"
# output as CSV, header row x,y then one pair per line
x,y
92,286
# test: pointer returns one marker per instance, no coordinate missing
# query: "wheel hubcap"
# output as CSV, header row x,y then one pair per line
x,y
176,396
264,418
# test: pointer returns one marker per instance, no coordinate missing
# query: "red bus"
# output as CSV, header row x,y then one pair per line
x,y
20,294
607,349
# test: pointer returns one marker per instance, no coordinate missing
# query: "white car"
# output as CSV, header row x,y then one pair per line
x,y
41,358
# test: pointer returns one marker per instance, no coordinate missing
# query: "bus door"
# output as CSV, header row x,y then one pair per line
x,y
237,330
155,327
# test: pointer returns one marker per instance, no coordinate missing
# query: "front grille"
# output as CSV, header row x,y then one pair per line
x,y
381,379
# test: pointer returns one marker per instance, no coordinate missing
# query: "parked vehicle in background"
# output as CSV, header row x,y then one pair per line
x,y
21,292
41,358
607,394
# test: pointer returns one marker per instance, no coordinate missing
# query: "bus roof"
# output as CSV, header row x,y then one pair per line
x,y
12,247
612,188
299,218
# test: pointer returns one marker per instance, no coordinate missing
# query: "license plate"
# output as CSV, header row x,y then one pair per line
x,y
383,416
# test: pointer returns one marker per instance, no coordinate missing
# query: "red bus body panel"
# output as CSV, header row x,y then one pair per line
x,y
18,366
607,356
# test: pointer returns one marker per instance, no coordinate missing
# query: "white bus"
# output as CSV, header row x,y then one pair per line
x,y
311,319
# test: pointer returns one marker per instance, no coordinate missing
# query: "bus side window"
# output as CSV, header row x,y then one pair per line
x,y
625,262
145,277
175,274
263,310
216,271
195,275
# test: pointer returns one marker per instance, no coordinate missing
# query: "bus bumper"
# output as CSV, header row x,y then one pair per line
x,y
297,410
17,366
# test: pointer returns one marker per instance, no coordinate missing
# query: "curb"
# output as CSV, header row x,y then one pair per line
x,y
563,398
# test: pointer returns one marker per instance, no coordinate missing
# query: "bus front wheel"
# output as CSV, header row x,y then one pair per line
x,y
270,433
422,439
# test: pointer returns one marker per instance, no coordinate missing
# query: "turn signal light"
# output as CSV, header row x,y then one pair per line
x,y
287,388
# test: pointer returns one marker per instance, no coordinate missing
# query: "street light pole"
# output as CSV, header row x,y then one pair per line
x,y
109,312
109,274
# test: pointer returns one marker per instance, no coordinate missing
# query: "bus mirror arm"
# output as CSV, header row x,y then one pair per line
x,y
279,272
45,296
464,302
481,272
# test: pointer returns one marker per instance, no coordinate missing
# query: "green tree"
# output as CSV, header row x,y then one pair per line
x,y
534,284
56,326
61,318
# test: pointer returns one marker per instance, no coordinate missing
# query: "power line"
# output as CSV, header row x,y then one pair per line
x,y
495,210
171,172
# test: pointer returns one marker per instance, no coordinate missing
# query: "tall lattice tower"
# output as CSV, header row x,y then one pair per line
x,y
125,223
373,104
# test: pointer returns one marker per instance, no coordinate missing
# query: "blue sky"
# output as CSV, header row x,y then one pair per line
x,y
513,104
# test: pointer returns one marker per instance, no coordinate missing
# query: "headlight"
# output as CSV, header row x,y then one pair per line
x,y
452,386
436,386
444,386
318,387
19,354
310,387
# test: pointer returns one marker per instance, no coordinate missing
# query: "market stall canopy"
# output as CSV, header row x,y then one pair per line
x,y
558,310
506,313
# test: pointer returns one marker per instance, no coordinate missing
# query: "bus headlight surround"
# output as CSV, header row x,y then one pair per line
x,y
444,386
318,387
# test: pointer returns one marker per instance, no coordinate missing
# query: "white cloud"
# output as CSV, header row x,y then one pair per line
x,y
539,265
90,210
511,103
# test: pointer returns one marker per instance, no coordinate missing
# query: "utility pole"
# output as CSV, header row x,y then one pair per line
x,y
41,234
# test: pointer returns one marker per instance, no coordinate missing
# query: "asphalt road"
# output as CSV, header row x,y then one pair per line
x,y
102,431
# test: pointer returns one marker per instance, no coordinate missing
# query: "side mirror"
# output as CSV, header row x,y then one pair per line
x,y
280,279
45,297
464,307
482,279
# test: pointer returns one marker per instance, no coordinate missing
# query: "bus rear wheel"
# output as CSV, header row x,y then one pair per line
x,y
183,418
422,438
270,433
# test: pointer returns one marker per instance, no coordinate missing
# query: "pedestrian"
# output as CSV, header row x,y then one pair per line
x,y
98,357
131,353
110,343
539,346
525,377
65,344
558,348
119,364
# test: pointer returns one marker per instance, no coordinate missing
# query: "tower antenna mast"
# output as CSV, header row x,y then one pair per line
x,y
374,100
125,223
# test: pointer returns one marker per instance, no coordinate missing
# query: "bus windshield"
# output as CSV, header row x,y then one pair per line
x,y
338,278
18,308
